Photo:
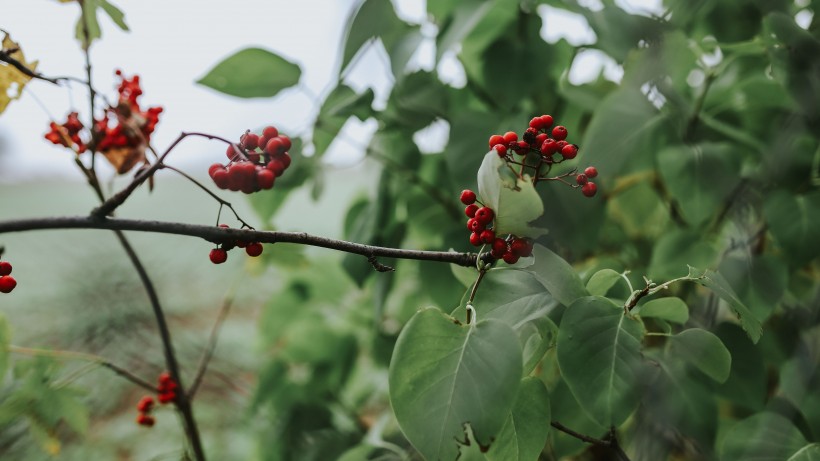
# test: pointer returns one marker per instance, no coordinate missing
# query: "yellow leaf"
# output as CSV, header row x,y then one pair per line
x,y
12,80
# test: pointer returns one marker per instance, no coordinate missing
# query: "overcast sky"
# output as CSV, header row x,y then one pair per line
x,y
171,45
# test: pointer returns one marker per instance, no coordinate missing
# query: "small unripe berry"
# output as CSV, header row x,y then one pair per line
x,y
501,150
475,239
487,236
5,268
254,249
569,151
589,189
218,256
270,132
591,172
470,210
581,179
484,215
510,136
559,133
468,197
7,283
496,139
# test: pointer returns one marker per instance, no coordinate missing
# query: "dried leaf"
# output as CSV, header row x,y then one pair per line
x,y
12,80
125,158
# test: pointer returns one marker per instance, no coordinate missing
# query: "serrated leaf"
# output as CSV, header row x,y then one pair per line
x,y
515,202
715,282
670,309
599,353
704,350
602,281
252,73
557,276
765,436
12,81
444,375
526,430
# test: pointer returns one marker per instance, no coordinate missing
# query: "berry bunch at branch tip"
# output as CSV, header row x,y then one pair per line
x,y
144,408
254,163
7,282
166,388
480,223
540,148
219,254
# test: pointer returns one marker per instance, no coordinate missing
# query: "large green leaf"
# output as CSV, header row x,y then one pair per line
x,y
445,375
760,281
764,437
565,409
599,353
602,281
527,428
748,381
252,73
462,19
795,222
377,19
669,309
515,202
715,282
557,276
704,350
678,248
342,103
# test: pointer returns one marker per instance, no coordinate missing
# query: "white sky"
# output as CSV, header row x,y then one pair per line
x,y
171,45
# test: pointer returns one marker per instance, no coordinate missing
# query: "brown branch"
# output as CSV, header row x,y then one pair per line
x,y
210,348
610,441
226,235
5,56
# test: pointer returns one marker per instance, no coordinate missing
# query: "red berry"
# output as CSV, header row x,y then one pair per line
x,y
546,120
165,378
468,197
499,248
145,404
166,397
501,150
284,157
549,147
569,151
220,178
250,141
487,236
484,215
495,140
475,239
518,247
540,138
276,166
231,153
470,210
254,249
265,178
7,283
521,147
218,256
253,157
270,132
286,142
510,136
581,179
589,189
274,146
5,268
475,225
510,258
536,123
145,420
559,132
591,172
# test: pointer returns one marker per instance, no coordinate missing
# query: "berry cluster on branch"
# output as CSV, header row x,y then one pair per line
x,y
7,282
219,254
166,393
254,163
480,224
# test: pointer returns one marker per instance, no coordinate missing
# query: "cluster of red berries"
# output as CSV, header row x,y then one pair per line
x,y
166,393
125,126
479,222
220,254
588,188
255,162
7,282
539,149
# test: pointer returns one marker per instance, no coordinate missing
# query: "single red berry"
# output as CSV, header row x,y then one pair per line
x,y
569,151
220,178
165,378
232,153
274,146
581,179
250,141
166,397
589,189
536,123
146,404
591,172
284,157
253,157
521,147
286,142
470,210
263,141
7,283
546,120
518,247
500,149
218,256
510,136
276,166
559,132
468,197
145,420
475,225
484,215
549,147
495,140
540,138
5,268
254,249
499,248
510,258
270,132
475,239
560,144
213,168
265,178
487,236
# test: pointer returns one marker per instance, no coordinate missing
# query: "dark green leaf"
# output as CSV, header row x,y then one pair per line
x,y
342,103
715,282
252,73
795,222
602,281
704,350
373,19
678,248
759,281
762,437
747,381
526,430
670,309
557,276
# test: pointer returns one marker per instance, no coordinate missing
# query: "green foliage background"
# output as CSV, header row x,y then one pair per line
x,y
709,156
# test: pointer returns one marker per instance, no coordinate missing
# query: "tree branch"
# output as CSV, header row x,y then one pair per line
x,y
209,349
225,235
610,441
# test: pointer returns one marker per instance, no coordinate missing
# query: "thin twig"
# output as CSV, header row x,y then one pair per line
x,y
221,235
5,56
610,441
208,354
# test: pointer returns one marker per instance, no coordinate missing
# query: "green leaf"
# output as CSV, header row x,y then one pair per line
x,y
342,103
565,408
416,101
444,375
808,453
670,309
5,339
252,73
715,282
748,381
599,353
699,177
557,276
114,13
704,350
794,221
640,211
375,19
678,248
602,281
760,281
514,201
526,430
763,437
88,28
462,20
